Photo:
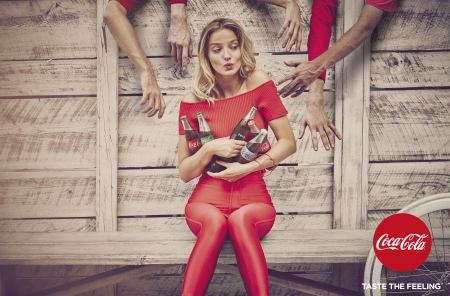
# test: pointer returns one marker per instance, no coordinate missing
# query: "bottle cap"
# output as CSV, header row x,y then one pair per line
x,y
263,131
183,117
250,122
198,113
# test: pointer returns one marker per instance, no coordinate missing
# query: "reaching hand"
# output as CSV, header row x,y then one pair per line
x,y
292,21
179,43
152,94
318,121
234,171
302,76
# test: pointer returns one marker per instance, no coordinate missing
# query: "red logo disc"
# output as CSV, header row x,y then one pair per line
x,y
402,242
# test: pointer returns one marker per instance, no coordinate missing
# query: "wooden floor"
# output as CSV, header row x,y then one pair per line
x,y
394,116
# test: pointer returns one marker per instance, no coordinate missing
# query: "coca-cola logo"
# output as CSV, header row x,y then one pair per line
x,y
402,242
194,144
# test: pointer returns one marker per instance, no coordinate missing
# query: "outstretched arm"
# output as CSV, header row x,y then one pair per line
x,y
179,42
306,72
115,17
292,23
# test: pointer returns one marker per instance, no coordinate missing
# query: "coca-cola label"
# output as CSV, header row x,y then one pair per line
x,y
247,154
265,146
206,139
194,145
402,242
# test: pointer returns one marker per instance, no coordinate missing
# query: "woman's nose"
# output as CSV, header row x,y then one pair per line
x,y
226,54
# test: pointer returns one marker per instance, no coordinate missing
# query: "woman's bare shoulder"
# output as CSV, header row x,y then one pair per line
x,y
256,78
190,97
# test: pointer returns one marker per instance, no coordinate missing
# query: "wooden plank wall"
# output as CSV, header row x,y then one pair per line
x,y
49,75
409,120
48,132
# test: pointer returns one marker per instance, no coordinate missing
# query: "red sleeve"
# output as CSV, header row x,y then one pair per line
x,y
177,1
322,19
269,103
385,5
128,4
181,113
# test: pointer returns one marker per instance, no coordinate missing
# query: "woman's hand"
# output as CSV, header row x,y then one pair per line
x,y
225,147
234,171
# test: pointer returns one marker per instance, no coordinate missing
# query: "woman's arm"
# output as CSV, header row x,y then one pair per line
x,y
284,147
190,167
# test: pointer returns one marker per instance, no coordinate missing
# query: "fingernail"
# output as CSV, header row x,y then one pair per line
x,y
332,146
327,147
184,68
315,148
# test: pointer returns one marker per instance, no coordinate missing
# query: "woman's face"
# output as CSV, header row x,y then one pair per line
x,y
224,52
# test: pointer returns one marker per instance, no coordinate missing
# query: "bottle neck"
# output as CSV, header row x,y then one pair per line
x,y
250,114
186,124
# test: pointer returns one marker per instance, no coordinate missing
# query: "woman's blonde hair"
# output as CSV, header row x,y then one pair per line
x,y
205,81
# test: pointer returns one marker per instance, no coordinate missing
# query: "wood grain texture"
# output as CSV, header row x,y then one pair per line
x,y
47,133
435,220
221,285
126,248
45,78
395,185
415,25
260,21
50,194
47,225
40,29
409,125
158,192
153,142
172,80
55,271
8,280
107,126
282,222
418,69
349,208
29,286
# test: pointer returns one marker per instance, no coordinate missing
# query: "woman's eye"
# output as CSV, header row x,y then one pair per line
x,y
216,50
235,47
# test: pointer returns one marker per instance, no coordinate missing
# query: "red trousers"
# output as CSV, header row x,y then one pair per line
x,y
242,211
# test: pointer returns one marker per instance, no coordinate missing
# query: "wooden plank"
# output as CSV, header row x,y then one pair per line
x,y
348,276
51,133
117,248
141,146
395,185
107,125
349,208
46,78
39,29
221,284
52,194
30,286
99,280
410,69
260,21
157,192
47,225
80,271
416,25
172,80
435,220
409,125
282,222
8,280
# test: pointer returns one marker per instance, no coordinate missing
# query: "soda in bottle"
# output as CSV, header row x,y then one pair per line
x,y
249,152
207,135
241,130
265,146
192,136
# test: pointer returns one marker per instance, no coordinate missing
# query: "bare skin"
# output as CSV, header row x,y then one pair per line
x,y
292,24
306,72
115,17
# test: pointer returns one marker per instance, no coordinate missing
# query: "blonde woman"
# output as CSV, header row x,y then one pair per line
x,y
233,203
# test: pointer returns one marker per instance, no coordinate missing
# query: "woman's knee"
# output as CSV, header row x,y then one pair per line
x,y
205,217
256,216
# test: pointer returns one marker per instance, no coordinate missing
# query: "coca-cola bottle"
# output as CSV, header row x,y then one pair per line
x,y
192,136
265,146
255,132
242,129
249,152
207,135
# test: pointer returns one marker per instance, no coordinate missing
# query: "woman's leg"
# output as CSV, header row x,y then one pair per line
x,y
210,226
246,226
